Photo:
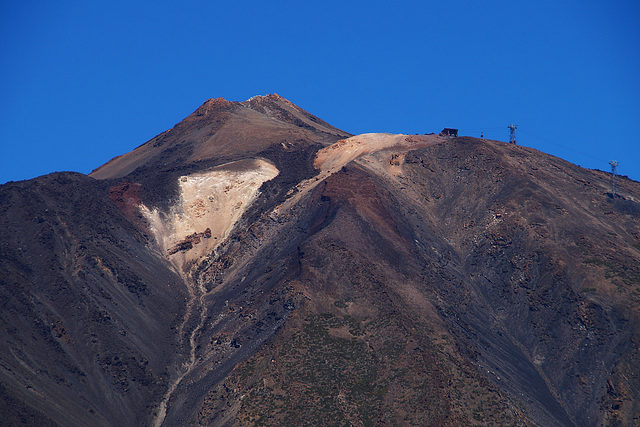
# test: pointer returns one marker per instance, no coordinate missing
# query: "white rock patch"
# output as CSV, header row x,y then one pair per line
x,y
210,204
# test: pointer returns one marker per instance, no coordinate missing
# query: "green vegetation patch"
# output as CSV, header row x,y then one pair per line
x,y
329,380
341,371
629,276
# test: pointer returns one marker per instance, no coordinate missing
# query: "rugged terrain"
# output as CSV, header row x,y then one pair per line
x,y
254,265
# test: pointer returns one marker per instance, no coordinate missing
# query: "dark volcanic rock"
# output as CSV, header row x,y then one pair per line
x,y
87,310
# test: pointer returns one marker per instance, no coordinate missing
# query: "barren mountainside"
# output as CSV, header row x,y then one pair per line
x,y
254,265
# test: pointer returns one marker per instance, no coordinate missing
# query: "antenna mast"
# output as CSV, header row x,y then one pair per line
x,y
512,134
613,190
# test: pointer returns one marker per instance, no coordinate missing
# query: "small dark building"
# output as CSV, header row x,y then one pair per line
x,y
449,132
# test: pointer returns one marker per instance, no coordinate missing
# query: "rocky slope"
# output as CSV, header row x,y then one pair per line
x,y
256,266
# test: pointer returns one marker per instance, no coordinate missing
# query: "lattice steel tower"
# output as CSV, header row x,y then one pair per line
x,y
512,134
614,170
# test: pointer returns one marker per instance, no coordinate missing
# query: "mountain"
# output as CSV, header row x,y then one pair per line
x,y
254,265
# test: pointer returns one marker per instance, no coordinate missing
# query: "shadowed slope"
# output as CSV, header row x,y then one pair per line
x,y
87,310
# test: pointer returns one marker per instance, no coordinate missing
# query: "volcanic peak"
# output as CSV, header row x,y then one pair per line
x,y
213,105
260,103
421,279
221,129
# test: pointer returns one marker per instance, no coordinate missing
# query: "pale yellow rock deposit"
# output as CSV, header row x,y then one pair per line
x,y
213,200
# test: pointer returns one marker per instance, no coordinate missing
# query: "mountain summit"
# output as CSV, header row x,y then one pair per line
x,y
254,265
219,129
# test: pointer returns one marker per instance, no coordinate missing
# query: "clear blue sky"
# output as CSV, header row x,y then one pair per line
x,y
84,81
